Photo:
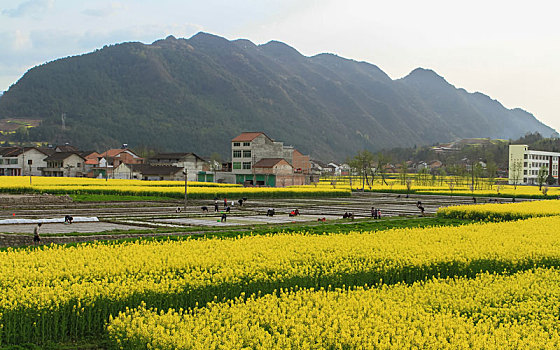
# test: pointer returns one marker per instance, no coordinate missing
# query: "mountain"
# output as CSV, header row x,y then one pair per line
x,y
197,94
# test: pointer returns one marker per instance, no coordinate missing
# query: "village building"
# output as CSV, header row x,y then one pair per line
x,y
196,167
103,164
117,156
249,148
68,164
276,172
149,172
16,161
524,165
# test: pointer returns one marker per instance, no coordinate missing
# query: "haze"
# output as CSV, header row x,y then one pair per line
x,y
506,49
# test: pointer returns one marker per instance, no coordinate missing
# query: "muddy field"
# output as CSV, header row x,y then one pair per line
x,y
124,216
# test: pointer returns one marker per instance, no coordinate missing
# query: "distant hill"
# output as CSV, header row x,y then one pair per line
x,y
197,94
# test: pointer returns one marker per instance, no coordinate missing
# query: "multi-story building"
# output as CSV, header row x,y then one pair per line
x,y
70,164
251,148
524,164
16,161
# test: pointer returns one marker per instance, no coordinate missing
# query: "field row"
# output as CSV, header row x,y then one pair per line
x,y
502,212
488,312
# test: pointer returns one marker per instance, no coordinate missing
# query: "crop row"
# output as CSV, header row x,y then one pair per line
x,y
179,192
56,293
488,312
500,212
23,181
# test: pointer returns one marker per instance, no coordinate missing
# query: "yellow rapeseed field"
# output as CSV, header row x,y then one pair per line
x,y
487,312
498,212
57,293
447,186
175,189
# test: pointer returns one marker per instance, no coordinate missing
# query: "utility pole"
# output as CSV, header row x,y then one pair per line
x,y
185,172
106,167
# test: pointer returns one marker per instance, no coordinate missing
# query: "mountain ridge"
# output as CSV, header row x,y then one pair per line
x,y
197,94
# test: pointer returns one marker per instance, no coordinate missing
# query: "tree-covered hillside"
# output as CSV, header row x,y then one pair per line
x,y
197,94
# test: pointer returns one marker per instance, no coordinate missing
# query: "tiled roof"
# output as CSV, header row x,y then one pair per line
x,y
16,151
112,152
46,150
62,156
67,148
174,155
248,136
91,155
268,162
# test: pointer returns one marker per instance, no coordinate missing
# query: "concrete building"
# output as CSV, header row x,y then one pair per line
x,y
249,148
276,172
16,161
117,156
524,165
149,172
68,164
197,167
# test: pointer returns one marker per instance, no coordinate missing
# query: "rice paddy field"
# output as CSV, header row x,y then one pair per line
x,y
488,277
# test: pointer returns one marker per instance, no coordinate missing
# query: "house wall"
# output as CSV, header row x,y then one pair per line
x,y
37,160
290,180
299,161
72,166
122,172
173,177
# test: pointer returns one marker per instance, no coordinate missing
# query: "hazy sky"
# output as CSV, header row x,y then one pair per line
x,y
509,50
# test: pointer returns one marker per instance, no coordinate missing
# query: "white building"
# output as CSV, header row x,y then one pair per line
x,y
524,164
16,161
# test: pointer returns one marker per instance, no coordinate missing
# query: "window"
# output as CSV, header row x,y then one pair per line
x,y
236,144
524,172
237,154
246,165
246,144
1,161
525,156
246,154
236,165
12,161
78,165
30,162
525,164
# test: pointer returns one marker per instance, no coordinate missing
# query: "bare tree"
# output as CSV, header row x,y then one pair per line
x,y
541,176
516,172
362,164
